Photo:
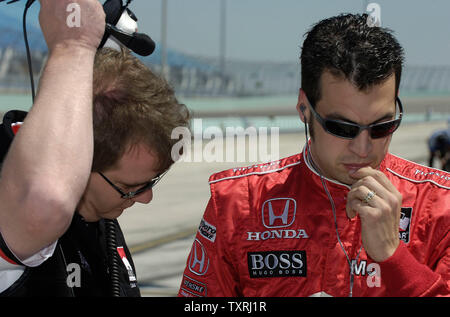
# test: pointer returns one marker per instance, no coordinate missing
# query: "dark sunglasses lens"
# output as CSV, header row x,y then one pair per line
x,y
384,129
342,129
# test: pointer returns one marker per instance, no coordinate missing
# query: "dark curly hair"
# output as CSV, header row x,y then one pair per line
x,y
348,47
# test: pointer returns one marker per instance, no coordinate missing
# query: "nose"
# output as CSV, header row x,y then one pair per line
x,y
144,198
362,144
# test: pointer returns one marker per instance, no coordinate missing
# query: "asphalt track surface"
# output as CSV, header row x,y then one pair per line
x,y
160,234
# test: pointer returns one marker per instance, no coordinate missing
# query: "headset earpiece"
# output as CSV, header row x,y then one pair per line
x,y
113,11
302,108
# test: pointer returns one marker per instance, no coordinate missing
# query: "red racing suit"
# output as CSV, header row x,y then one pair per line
x,y
269,230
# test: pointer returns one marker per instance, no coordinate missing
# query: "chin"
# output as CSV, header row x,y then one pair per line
x,y
344,178
350,181
91,218
113,214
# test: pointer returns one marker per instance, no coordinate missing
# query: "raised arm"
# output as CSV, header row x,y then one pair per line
x,y
49,162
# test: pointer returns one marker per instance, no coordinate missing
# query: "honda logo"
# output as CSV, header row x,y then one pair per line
x,y
278,212
198,260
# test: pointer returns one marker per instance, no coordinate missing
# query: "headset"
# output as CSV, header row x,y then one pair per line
x,y
121,29
302,108
121,26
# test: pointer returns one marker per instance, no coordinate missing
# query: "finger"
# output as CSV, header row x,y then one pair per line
x,y
378,176
357,207
381,185
369,184
357,198
369,171
351,212
358,193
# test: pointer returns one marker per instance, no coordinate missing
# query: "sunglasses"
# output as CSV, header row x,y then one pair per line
x,y
130,195
347,130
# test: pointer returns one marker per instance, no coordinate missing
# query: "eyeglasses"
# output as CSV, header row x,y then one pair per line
x,y
347,130
144,188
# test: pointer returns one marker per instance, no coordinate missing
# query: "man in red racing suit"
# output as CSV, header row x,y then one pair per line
x,y
269,230
345,217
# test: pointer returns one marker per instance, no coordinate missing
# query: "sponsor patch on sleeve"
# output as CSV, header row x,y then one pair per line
x,y
405,224
207,230
191,287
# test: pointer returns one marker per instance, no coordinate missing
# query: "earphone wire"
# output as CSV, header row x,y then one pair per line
x,y
333,208
27,49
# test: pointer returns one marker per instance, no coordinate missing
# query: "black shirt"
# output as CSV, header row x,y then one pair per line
x,y
82,265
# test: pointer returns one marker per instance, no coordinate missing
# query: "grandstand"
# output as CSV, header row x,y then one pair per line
x,y
194,76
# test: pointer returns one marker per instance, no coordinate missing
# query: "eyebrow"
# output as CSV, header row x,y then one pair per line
x,y
337,116
133,185
139,184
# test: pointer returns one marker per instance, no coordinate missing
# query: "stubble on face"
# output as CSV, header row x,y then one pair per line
x,y
336,157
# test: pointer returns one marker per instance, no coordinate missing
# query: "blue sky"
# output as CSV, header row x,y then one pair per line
x,y
272,30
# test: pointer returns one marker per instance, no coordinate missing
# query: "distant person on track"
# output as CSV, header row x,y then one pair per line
x,y
343,218
96,141
439,147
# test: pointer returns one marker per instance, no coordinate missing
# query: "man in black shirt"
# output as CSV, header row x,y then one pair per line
x,y
94,143
439,146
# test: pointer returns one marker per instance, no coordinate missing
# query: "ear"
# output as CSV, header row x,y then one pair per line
x,y
302,109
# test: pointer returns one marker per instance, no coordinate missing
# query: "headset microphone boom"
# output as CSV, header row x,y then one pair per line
x,y
118,26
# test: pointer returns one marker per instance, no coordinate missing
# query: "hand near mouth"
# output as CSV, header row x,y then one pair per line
x,y
377,202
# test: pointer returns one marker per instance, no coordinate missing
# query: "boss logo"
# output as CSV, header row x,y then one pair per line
x,y
276,264
278,212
